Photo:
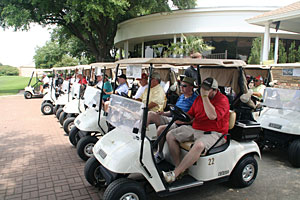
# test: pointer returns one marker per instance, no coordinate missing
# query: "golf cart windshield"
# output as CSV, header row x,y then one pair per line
x,y
75,90
91,96
125,113
287,99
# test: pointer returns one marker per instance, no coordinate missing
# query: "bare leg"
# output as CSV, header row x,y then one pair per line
x,y
162,141
106,105
153,117
191,157
173,148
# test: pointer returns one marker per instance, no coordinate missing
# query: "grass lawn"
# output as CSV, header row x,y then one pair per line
x,y
10,85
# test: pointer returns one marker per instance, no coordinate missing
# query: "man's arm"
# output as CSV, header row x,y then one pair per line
x,y
210,110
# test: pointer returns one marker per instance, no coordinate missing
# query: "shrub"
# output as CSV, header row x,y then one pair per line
x,y
6,70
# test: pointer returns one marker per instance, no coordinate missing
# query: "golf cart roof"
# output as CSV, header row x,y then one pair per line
x,y
103,64
43,70
259,70
64,68
183,61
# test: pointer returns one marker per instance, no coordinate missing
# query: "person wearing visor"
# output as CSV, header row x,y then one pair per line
x,y
162,119
210,120
259,87
143,85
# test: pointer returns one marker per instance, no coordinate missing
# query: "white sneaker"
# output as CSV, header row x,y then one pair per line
x,y
169,176
159,157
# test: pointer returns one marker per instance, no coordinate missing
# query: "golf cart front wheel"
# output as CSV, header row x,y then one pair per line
x,y
85,147
73,136
47,108
92,172
62,117
245,172
68,124
56,107
57,114
124,188
27,95
294,153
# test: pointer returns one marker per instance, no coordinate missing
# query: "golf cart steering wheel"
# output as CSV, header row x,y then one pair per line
x,y
179,114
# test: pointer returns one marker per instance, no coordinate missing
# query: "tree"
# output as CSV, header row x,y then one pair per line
x,y
292,53
93,22
254,57
282,57
6,70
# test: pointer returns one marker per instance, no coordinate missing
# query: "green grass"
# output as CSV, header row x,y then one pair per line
x,y
10,85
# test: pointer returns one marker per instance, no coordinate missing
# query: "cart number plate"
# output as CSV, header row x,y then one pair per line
x,y
102,154
78,122
277,126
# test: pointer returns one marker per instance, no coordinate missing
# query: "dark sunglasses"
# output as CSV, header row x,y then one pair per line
x,y
182,85
256,80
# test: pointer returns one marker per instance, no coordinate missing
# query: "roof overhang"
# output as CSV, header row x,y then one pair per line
x,y
286,18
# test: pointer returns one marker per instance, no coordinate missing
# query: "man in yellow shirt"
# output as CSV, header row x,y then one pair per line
x,y
157,98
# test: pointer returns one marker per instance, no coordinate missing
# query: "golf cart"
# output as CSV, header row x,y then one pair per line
x,y
127,151
76,102
280,122
33,91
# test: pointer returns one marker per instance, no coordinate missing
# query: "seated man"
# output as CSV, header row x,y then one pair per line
x,y
210,119
157,98
161,119
123,85
81,79
143,85
45,82
259,87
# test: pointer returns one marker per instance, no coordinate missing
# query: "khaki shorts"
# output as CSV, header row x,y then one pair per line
x,y
186,133
166,120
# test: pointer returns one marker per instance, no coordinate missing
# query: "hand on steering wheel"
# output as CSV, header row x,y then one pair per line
x,y
179,114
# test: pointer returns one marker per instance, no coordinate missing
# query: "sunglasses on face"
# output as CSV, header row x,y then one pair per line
x,y
182,85
256,80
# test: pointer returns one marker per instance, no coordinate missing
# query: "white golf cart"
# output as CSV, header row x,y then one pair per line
x,y
33,91
126,151
280,122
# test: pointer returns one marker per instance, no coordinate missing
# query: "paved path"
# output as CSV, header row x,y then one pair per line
x,y
38,162
36,158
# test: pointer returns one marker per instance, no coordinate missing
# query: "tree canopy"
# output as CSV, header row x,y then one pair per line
x,y
93,22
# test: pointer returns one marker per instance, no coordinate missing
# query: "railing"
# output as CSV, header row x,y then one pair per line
x,y
217,55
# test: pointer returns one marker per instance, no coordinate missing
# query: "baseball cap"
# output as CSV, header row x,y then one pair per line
x,y
122,76
259,78
196,55
144,76
189,80
209,83
99,74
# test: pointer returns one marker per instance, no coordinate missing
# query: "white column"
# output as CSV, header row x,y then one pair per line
x,y
276,49
266,47
143,49
126,46
174,40
181,40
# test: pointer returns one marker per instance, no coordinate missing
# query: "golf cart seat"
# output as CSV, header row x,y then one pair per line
x,y
232,118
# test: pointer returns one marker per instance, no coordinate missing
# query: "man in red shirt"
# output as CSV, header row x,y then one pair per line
x,y
82,80
210,119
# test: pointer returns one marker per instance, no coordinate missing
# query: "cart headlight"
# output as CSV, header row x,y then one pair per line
x,y
102,154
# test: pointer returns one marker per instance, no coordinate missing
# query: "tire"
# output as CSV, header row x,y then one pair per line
x,y
294,153
244,172
62,117
47,108
68,124
124,188
85,147
73,136
56,107
92,172
57,114
27,95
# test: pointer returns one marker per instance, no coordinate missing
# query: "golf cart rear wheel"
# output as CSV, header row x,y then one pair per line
x,y
47,108
27,95
294,153
85,147
62,117
92,172
124,188
245,172
58,112
73,136
68,124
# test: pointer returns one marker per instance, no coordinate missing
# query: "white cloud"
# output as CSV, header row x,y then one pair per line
x,y
18,48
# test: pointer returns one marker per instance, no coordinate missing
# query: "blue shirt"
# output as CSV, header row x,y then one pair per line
x,y
122,88
186,103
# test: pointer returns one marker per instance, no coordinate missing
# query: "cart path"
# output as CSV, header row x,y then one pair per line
x,y
38,162
36,158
